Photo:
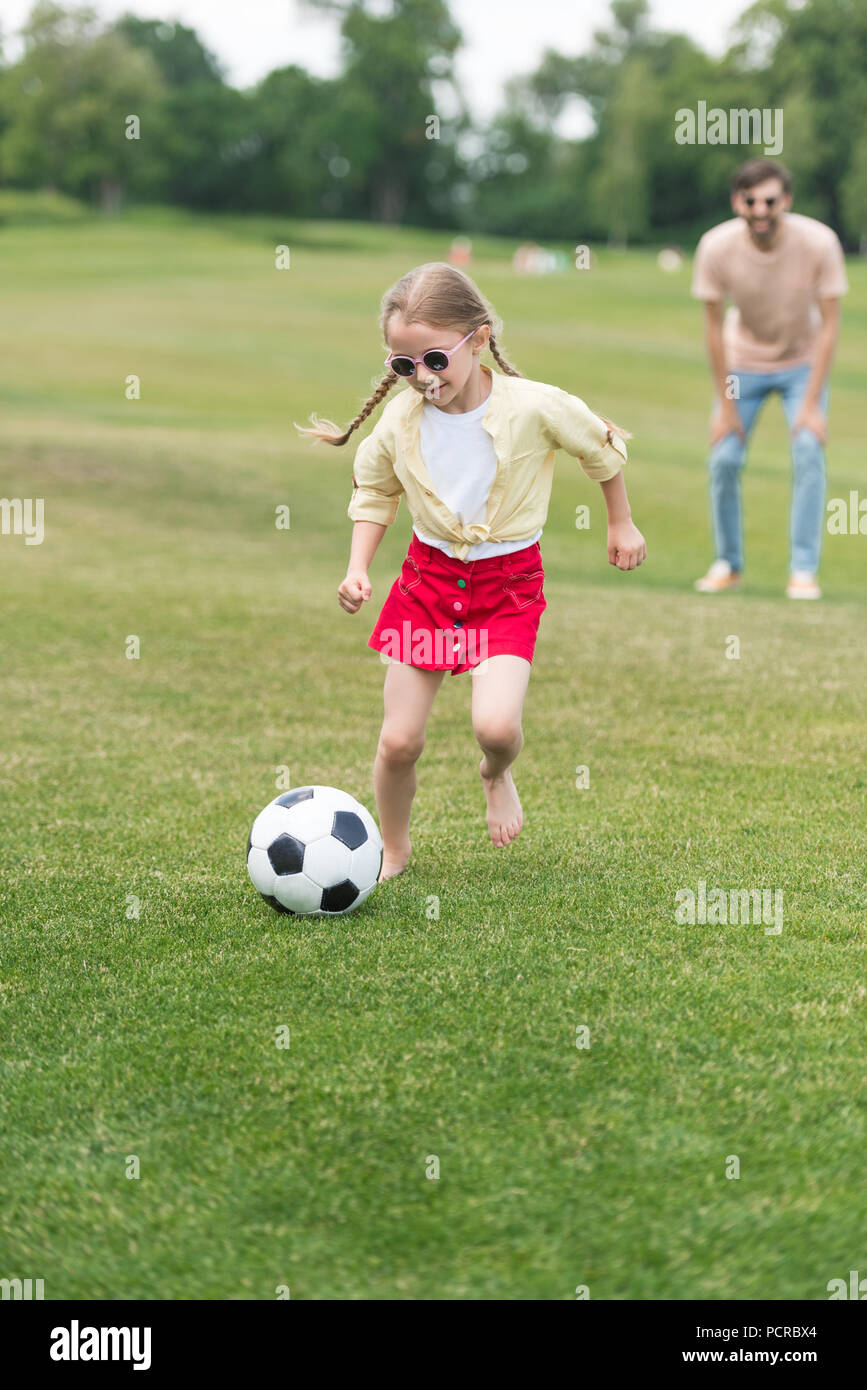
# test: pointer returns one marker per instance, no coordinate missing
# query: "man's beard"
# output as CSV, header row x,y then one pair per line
x,y
769,231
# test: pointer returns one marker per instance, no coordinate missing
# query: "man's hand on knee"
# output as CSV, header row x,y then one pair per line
x,y
810,417
726,421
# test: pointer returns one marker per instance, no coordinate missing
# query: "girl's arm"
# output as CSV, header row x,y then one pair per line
x,y
366,536
356,587
626,546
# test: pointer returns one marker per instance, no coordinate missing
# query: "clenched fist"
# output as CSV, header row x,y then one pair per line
x,y
354,590
626,545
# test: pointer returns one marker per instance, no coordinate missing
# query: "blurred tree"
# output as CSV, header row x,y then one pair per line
x,y
854,195
4,118
66,105
633,175
818,50
381,122
288,117
594,75
199,129
620,187
511,168
177,51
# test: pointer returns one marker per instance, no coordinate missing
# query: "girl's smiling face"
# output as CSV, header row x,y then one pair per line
x,y
414,339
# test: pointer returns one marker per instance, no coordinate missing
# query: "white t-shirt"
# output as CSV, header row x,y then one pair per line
x,y
459,456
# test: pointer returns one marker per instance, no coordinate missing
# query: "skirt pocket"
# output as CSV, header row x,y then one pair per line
x,y
524,589
409,576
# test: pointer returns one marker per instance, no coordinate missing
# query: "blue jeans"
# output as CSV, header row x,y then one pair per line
x,y
726,461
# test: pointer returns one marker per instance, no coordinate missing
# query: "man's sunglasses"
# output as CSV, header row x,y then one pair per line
x,y
435,359
750,200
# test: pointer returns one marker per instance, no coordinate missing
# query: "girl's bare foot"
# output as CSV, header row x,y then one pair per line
x,y
394,862
505,817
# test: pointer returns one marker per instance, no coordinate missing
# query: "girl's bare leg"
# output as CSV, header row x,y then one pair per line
x,y
408,695
498,698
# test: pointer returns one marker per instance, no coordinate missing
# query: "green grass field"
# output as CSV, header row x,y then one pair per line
x,y
130,785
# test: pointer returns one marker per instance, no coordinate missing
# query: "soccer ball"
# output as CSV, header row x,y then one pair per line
x,y
314,850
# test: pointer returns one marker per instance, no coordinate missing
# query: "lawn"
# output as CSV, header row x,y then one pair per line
x,y
143,982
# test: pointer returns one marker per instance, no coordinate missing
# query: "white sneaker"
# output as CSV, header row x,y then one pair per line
x,y
719,576
802,584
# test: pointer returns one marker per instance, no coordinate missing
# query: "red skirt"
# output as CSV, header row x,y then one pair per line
x,y
443,614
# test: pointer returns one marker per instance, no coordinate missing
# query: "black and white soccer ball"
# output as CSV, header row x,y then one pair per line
x,y
316,851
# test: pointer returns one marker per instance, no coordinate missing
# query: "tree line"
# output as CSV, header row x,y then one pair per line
x,y
138,110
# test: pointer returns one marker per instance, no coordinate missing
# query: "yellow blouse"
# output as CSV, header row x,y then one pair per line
x,y
527,421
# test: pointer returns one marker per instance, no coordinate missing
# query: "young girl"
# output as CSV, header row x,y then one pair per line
x,y
473,452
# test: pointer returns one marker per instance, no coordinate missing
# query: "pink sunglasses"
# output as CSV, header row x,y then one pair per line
x,y
435,359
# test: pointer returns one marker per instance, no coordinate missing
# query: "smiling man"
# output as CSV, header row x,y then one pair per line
x,y
784,274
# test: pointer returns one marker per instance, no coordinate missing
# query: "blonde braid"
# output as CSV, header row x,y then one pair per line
x,y
499,359
327,432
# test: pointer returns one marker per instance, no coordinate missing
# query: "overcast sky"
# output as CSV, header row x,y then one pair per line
x,y
501,37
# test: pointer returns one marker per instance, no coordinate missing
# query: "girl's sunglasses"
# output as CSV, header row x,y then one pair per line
x,y
435,359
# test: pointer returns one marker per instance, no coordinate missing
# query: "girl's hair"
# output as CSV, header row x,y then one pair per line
x,y
445,297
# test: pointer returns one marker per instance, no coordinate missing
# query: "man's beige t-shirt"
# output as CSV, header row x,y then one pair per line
x,y
775,317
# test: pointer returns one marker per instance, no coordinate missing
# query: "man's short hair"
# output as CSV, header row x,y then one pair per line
x,y
756,171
